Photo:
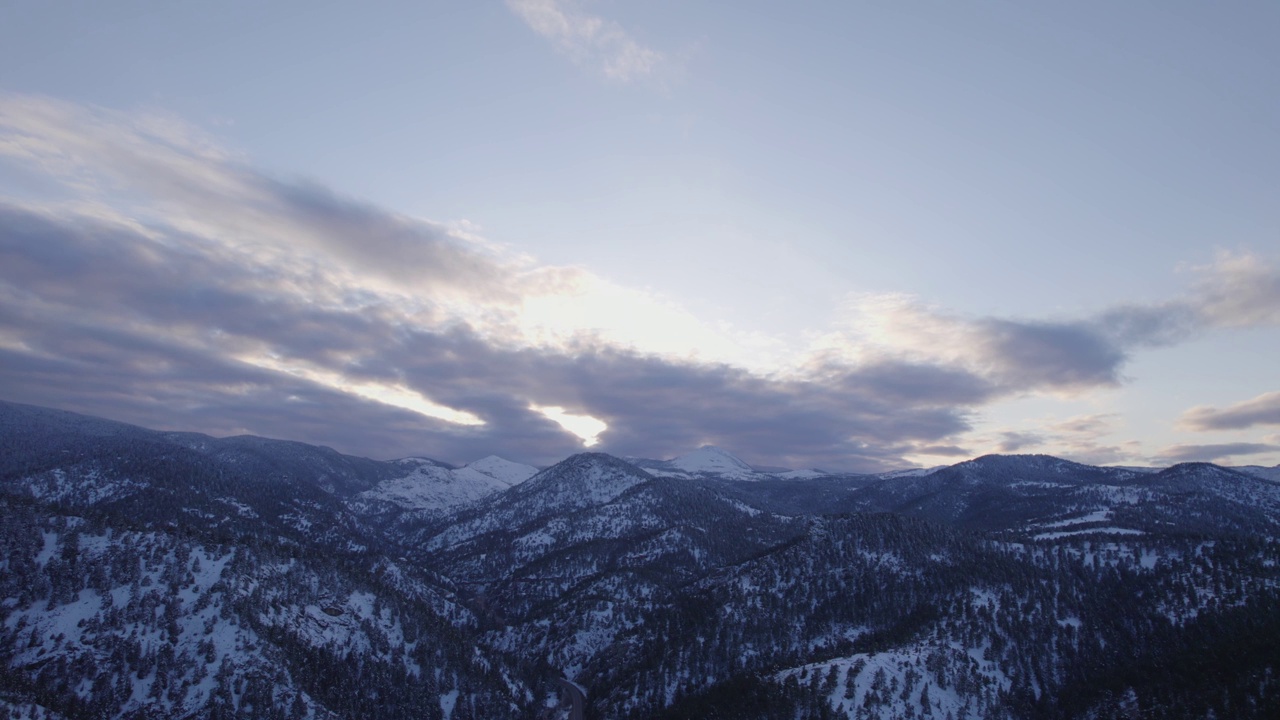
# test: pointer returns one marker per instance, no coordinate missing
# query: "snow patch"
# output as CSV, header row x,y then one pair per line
x,y
1087,531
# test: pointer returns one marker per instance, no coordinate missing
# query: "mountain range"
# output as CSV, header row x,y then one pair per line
x,y
151,574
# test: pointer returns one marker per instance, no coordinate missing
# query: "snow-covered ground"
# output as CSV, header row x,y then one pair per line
x,y
1088,531
430,486
926,679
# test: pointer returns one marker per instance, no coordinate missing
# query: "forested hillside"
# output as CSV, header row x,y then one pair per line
x,y
171,575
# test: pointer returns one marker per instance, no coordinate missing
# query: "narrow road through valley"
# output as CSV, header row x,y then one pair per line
x,y
576,697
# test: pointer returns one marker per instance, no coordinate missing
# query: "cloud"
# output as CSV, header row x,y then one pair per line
x,y
176,286
1013,356
589,40
1060,356
136,324
1089,453
1048,355
1213,453
158,170
1160,325
1092,426
1261,410
1238,290
1014,441
942,451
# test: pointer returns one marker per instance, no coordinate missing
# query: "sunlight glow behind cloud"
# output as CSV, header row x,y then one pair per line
x,y
584,426
388,394
597,310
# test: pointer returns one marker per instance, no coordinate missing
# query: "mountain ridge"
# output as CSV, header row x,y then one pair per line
x,y
244,577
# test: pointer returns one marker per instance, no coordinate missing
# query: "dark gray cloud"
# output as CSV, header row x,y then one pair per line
x,y
1011,355
369,239
194,186
1261,410
1028,355
1213,452
1019,355
102,318
151,326
658,408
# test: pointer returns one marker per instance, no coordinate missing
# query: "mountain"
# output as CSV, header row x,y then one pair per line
x,y
712,460
150,574
145,468
1037,494
706,461
174,575
1266,473
505,472
430,486
709,461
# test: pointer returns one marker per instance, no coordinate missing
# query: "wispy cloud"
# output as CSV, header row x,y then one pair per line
x,y
1221,452
1067,356
1012,355
1261,410
1238,290
1094,425
1011,441
1083,438
589,40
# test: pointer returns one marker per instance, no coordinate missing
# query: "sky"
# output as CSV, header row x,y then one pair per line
x,y
852,236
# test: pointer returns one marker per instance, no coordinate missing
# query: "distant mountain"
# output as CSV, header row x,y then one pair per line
x,y
1026,493
431,486
507,473
128,464
1266,473
709,461
173,575
706,461
712,460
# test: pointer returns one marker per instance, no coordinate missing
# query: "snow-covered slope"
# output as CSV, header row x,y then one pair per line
x,y
427,485
1259,471
579,482
712,460
1038,493
160,624
707,461
507,473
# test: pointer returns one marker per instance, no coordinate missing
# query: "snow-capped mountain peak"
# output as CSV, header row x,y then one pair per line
x,y
711,459
432,486
501,469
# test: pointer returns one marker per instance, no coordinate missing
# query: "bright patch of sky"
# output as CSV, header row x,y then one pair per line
x,y
584,426
902,234
385,393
